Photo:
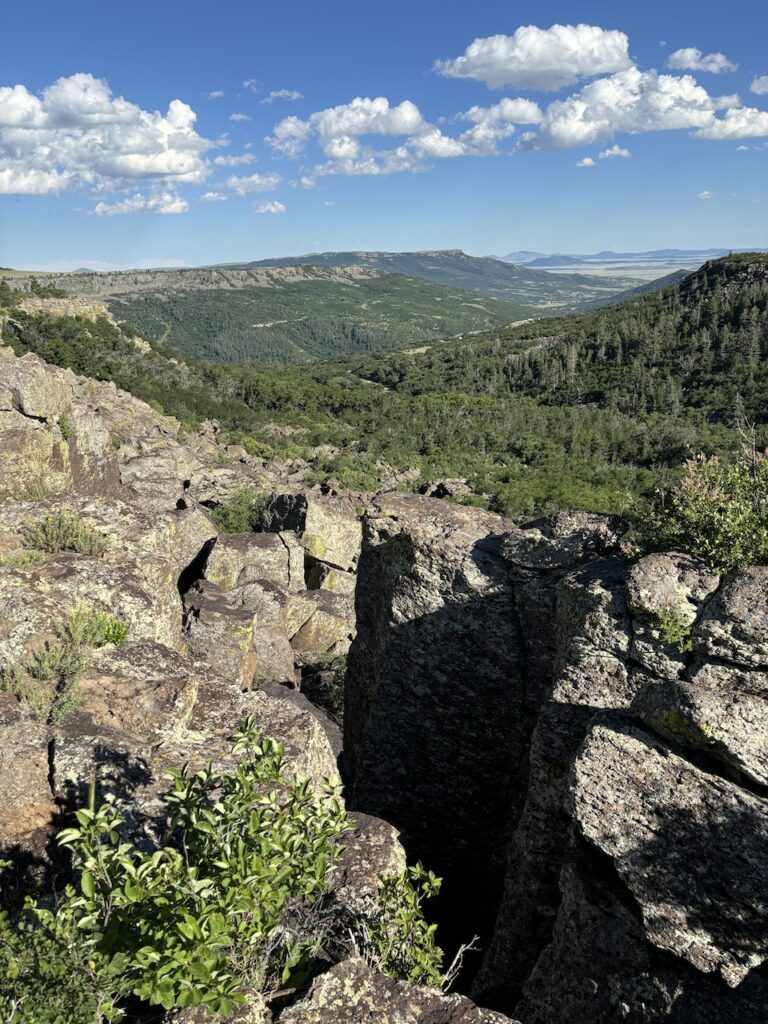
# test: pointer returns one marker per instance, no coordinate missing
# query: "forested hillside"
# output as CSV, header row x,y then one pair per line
x,y
315,318
590,410
486,275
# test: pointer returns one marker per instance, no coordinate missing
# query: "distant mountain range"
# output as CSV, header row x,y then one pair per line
x,y
651,264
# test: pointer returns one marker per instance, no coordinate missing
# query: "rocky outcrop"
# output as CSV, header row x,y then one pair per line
x,y
576,743
352,993
434,690
631,805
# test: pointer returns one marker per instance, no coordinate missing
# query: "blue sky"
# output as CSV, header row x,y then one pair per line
x,y
394,126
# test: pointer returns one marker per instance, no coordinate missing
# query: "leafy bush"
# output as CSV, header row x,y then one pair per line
x,y
241,512
62,531
205,915
396,939
718,510
674,629
46,683
230,901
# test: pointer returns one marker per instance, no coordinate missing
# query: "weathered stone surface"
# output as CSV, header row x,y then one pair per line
x,y
274,606
371,851
351,993
434,689
35,458
692,848
32,387
593,636
143,597
564,540
328,528
220,634
161,476
721,711
140,688
600,969
653,654
240,558
26,803
669,582
734,625
332,620
308,746
320,576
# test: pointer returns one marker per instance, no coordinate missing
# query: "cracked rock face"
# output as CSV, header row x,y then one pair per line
x,y
691,847
433,688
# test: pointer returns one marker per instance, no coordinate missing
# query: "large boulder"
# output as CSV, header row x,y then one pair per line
x,y
670,583
328,528
352,993
220,634
721,711
35,458
240,558
331,622
32,387
691,847
734,625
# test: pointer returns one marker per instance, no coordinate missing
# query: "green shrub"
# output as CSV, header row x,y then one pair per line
x,y
674,629
47,681
396,939
201,918
231,901
23,561
62,531
50,972
241,512
65,427
718,510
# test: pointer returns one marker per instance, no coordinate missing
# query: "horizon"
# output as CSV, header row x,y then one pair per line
x,y
715,251
282,133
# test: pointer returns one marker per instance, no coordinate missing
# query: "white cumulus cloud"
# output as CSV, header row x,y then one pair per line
x,y
77,134
759,85
239,117
291,95
537,58
340,133
586,161
242,186
629,101
705,195
692,59
271,207
215,94
213,197
167,202
614,151
234,161
736,123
